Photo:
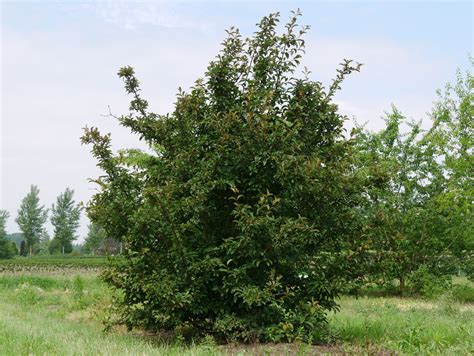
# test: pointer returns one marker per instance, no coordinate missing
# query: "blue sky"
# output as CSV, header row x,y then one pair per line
x,y
59,61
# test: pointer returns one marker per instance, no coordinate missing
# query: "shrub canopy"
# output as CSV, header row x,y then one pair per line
x,y
242,222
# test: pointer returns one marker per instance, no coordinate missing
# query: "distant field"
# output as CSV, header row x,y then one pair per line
x,y
56,263
60,310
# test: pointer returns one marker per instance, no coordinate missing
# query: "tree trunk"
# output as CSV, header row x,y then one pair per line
x,y
31,250
402,285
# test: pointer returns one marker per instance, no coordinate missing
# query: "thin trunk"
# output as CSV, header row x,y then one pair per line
x,y
402,285
31,250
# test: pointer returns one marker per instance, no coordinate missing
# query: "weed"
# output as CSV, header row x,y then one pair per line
x,y
28,294
463,293
448,303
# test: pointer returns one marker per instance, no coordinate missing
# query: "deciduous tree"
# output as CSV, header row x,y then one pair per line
x,y
65,215
453,137
7,248
419,210
23,251
31,219
95,238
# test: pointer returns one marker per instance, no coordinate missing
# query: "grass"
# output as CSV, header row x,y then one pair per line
x,y
55,315
44,313
410,326
463,290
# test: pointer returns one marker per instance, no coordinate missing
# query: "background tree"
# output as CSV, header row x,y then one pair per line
x,y
43,247
419,210
242,222
408,178
15,237
31,218
7,247
65,217
14,249
23,250
452,135
95,238
110,246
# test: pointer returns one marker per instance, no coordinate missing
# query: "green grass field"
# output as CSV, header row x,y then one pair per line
x,y
406,325
62,313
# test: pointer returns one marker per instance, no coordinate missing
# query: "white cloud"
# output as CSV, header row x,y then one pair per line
x,y
391,74
133,14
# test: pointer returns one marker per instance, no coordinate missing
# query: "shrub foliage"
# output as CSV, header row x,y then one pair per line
x,y
242,221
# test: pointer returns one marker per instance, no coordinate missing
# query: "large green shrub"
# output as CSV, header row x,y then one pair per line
x,y
242,223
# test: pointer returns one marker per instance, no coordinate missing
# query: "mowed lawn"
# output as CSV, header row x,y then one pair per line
x,y
63,314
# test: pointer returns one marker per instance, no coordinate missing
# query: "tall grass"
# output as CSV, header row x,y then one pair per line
x,y
62,314
407,325
42,315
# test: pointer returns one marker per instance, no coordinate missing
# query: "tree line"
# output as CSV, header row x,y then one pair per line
x,y
65,215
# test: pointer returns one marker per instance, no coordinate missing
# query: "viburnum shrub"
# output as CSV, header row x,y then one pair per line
x,y
242,223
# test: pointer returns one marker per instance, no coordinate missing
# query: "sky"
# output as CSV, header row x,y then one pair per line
x,y
59,63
